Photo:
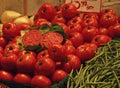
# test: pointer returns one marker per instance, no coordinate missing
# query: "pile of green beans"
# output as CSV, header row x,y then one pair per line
x,y
102,71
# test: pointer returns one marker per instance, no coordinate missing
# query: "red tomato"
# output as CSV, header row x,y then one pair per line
x,y
22,52
89,22
76,39
1,49
41,22
2,41
23,26
85,52
75,20
59,75
8,62
89,32
59,65
25,63
101,39
6,76
43,53
90,15
68,42
58,9
107,10
114,30
59,18
15,39
103,31
119,19
47,11
74,28
9,30
107,20
12,48
45,66
71,62
69,10
41,81
36,17
22,78
68,49
55,52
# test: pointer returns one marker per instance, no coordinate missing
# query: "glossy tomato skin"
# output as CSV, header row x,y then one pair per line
x,y
85,52
107,20
3,41
76,39
22,78
69,10
41,81
58,9
9,30
101,39
59,75
45,66
89,22
8,62
59,18
107,10
56,52
25,63
23,26
89,32
12,48
40,22
114,30
75,20
47,11
43,53
71,62
68,49
6,76
74,28
103,31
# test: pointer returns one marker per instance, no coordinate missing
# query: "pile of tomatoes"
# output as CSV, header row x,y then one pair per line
x,y
84,35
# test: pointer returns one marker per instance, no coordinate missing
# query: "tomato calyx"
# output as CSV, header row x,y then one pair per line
x,y
40,63
89,27
66,7
10,47
74,20
108,16
20,59
54,50
66,60
44,10
7,27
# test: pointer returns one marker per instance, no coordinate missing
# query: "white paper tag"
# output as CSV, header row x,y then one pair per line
x,y
86,5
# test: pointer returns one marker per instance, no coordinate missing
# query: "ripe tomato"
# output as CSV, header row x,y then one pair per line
x,y
2,41
90,15
69,10
71,62
55,52
103,31
43,53
6,76
1,50
114,30
41,81
89,22
68,42
107,20
22,78
76,39
89,32
74,28
12,48
23,26
59,75
45,66
8,62
101,39
68,49
22,52
9,30
85,52
107,10
119,19
75,20
40,22
58,9
59,18
47,11
25,63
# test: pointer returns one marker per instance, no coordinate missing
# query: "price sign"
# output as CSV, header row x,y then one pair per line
x,y
86,5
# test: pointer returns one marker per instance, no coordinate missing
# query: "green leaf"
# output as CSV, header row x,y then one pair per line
x,y
58,28
19,41
44,29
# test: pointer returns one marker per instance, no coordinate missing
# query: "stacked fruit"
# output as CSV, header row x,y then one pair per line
x,y
60,40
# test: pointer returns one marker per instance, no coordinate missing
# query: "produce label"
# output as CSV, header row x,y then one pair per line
x,y
86,5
